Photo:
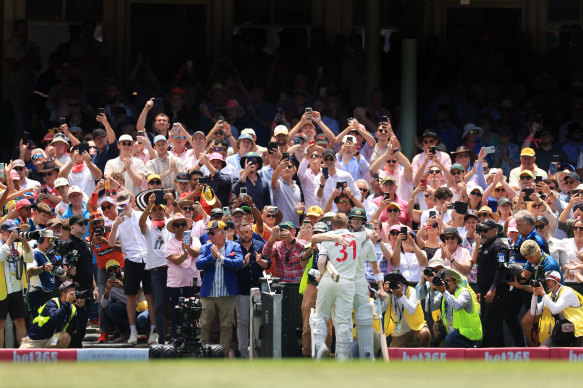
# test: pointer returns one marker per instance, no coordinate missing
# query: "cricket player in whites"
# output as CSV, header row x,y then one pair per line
x,y
363,314
342,253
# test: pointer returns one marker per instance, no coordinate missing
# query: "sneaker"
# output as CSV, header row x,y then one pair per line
x,y
153,338
322,351
102,338
133,340
94,322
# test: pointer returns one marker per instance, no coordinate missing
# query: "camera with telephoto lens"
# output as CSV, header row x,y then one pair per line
x,y
393,285
58,269
437,281
187,342
34,235
534,283
428,272
509,271
62,248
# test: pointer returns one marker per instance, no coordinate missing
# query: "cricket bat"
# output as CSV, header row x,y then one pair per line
x,y
384,349
332,271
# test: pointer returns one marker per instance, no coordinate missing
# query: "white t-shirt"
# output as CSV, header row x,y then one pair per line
x,y
156,241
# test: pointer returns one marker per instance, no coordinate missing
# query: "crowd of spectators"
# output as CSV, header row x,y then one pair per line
x,y
200,184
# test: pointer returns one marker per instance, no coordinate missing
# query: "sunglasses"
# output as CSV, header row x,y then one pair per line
x,y
155,182
525,177
427,141
394,232
476,193
45,174
179,137
126,143
456,172
328,159
189,209
393,210
392,160
568,182
450,238
106,207
315,156
579,228
271,216
19,168
344,202
180,224
82,223
245,232
433,226
500,190
540,227
363,189
435,172
383,131
37,156
482,230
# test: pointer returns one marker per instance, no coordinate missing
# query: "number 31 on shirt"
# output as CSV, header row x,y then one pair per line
x,y
345,253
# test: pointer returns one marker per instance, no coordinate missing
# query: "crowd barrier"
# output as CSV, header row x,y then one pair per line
x,y
395,354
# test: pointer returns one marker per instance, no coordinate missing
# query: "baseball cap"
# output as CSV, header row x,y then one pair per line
x,y
542,219
429,133
289,224
388,179
245,136
216,225
125,138
527,151
217,212
248,131
178,90
314,211
153,176
328,216
60,137
327,152
198,133
237,210
527,172
66,285
321,139
23,203
457,166
18,163
158,138
216,156
99,132
503,201
246,209
95,216
9,225
75,190
320,227
77,219
512,226
280,130
488,223
573,175
49,137
111,263
123,198
182,177
553,275
61,182
394,204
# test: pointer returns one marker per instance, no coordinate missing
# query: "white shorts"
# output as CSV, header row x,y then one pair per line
x,y
340,295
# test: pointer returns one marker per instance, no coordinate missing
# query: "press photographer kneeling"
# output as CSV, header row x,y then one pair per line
x,y
43,273
114,298
49,328
562,313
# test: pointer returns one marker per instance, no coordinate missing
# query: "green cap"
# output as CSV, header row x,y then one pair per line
x,y
246,209
457,166
357,213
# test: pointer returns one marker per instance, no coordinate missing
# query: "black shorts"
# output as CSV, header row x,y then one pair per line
x,y
133,274
14,305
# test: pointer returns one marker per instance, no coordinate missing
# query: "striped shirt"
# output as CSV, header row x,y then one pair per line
x,y
219,288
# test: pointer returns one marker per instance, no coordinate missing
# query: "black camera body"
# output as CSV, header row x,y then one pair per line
x,y
393,285
437,281
187,343
82,294
509,271
428,272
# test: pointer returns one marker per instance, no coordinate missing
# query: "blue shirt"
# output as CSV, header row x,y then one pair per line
x,y
549,264
47,279
534,235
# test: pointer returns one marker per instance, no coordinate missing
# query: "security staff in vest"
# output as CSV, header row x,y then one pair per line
x,y
404,320
49,328
560,304
459,311
82,274
492,290
40,272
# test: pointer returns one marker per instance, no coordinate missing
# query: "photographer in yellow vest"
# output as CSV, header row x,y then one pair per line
x,y
460,311
561,323
404,321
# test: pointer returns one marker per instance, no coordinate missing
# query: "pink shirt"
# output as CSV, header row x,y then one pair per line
x,y
181,275
404,217
419,159
187,157
461,255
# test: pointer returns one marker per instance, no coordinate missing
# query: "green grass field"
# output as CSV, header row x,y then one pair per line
x,y
291,373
